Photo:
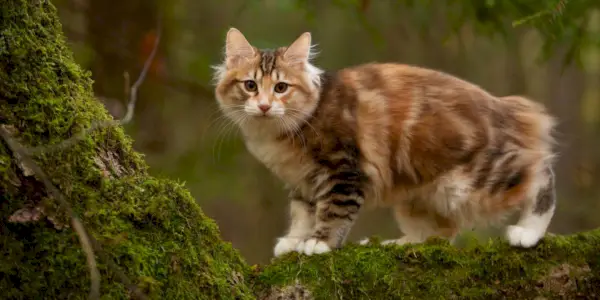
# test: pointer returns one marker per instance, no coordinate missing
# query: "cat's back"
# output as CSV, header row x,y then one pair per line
x,y
407,95
431,111
399,90
413,124
397,77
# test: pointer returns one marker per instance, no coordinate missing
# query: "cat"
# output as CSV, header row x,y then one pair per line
x,y
441,152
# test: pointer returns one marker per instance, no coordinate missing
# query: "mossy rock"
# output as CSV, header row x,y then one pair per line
x,y
152,228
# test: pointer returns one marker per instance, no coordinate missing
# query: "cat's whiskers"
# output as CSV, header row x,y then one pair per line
x,y
302,117
220,136
222,115
230,123
285,128
221,107
295,129
299,121
218,120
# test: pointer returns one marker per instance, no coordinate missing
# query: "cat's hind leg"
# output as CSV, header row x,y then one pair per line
x,y
302,222
536,214
420,224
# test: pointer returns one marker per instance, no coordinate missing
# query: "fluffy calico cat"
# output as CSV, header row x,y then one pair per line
x,y
443,153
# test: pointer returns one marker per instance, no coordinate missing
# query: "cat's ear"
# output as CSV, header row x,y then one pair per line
x,y
237,46
299,50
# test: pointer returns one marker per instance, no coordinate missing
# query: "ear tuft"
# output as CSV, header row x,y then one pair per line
x,y
237,46
299,50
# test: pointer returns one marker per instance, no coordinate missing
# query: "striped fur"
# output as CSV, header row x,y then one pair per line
x,y
443,153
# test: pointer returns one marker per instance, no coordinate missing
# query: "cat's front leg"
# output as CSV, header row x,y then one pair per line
x,y
302,222
337,207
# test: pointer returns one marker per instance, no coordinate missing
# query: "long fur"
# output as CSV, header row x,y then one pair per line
x,y
441,152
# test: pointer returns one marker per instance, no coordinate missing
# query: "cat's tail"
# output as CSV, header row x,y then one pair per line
x,y
536,214
540,200
537,115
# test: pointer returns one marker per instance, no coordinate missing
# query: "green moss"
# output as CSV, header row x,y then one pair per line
x,y
437,270
150,227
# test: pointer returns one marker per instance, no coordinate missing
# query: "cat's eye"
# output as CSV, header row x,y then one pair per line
x,y
281,87
250,85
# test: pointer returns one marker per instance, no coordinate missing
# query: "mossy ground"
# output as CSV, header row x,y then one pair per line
x,y
437,270
150,227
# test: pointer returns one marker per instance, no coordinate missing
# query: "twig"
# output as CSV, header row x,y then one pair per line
x,y
140,80
89,253
132,93
120,274
88,243
84,238
554,12
126,87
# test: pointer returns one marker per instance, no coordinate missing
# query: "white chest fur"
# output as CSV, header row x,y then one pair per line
x,y
287,160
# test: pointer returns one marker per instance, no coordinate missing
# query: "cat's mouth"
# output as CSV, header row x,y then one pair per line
x,y
266,115
260,116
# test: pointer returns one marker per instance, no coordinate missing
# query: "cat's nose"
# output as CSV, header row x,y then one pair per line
x,y
264,107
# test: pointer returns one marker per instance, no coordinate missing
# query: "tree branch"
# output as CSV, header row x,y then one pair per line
x,y
141,78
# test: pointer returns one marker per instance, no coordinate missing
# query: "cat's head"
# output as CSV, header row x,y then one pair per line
x,y
276,88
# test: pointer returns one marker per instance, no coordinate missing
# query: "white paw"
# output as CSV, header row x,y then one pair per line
x,y
522,236
364,241
312,246
285,245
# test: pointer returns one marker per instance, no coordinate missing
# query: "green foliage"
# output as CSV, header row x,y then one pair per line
x,y
437,270
562,23
152,228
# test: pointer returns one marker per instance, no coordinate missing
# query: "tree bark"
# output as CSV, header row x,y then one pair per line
x,y
153,230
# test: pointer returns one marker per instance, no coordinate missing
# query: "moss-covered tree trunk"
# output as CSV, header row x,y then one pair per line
x,y
150,227
155,232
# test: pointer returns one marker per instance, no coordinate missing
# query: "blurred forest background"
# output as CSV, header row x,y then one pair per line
x,y
174,123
